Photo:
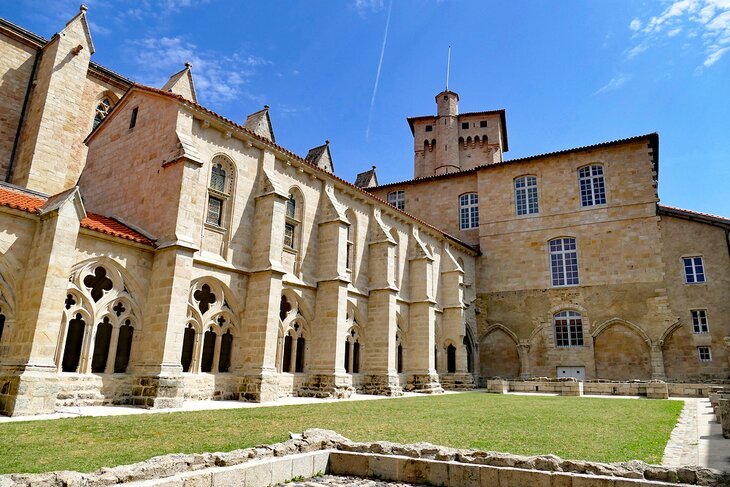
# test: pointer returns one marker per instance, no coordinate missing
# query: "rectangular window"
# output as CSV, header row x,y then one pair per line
x,y
289,235
133,120
350,250
699,321
592,185
464,125
564,262
705,354
526,195
469,211
694,270
215,211
397,199
568,329
483,123
429,128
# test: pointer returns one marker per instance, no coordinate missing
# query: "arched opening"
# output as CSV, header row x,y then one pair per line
x,y
2,325
299,362
399,359
451,359
469,352
187,351
621,354
498,356
101,346
347,356
206,364
356,357
74,340
224,363
102,110
435,358
286,359
124,348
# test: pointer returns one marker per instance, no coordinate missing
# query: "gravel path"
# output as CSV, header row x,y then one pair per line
x,y
330,480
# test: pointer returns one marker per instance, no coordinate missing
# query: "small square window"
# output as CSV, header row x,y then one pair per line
x,y
429,128
397,199
705,354
133,120
482,123
464,125
699,321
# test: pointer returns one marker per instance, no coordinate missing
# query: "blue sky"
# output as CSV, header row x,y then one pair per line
x,y
568,73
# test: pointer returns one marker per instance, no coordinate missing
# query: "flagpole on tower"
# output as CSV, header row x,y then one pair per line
x,y
448,68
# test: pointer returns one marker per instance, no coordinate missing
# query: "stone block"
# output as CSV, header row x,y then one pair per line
x,y
591,481
657,390
464,475
258,475
302,466
416,472
516,477
571,388
200,479
349,464
560,480
320,462
724,416
497,386
281,470
384,467
229,476
489,476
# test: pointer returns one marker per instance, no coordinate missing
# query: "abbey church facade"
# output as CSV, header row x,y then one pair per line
x,y
153,251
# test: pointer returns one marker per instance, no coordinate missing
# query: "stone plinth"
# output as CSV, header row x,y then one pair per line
x,y
569,388
497,386
425,384
657,390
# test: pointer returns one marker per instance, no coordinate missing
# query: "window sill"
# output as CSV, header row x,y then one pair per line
x,y
703,283
563,286
214,228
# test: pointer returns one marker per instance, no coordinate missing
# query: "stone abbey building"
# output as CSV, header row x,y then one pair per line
x,y
153,251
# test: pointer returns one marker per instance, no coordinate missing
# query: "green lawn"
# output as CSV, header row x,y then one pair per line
x,y
604,430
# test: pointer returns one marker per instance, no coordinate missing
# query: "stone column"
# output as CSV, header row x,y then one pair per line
x,y
327,376
216,353
657,361
380,368
111,358
452,292
523,350
422,376
28,379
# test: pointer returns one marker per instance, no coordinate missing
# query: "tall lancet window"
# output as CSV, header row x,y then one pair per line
x,y
102,110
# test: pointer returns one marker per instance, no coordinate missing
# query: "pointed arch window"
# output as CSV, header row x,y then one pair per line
x,y
292,222
102,110
220,188
294,348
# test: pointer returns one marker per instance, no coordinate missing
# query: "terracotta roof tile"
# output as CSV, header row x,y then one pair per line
x,y
673,210
32,203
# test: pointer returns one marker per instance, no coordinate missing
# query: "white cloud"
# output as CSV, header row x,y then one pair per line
x,y
364,7
613,84
218,78
706,22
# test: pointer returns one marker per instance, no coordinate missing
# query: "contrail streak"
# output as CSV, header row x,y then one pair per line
x,y
377,76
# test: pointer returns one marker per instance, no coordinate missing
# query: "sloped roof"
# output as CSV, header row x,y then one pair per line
x,y
367,179
182,82
32,202
260,123
694,215
653,141
321,157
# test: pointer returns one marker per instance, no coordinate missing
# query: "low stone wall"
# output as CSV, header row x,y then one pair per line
x,y
609,388
322,451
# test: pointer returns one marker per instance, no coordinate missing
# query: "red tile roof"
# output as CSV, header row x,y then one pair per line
x,y
693,215
32,203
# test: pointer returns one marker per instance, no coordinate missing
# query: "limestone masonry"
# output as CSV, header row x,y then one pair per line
x,y
154,251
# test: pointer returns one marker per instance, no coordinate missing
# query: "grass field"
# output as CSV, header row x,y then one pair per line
x,y
572,427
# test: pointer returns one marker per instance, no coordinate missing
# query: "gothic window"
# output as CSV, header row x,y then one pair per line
x,y
286,358
568,329
526,195
352,349
102,110
451,359
74,340
563,262
219,191
351,238
284,308
299,362
101,346
592,185
468,344
96,333
694,270
699,321
469,211
211,328
399,359
291,224
397,199
124,347
396,256
186,359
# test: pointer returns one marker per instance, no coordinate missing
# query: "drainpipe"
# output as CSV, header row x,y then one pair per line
x,y
31,83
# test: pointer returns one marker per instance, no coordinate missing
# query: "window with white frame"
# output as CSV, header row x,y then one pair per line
x,y
592,185
699,321
564,262
397,199
568,329
694,270
705,354
469,211
526,195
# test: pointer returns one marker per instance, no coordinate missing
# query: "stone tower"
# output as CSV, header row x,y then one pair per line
x,y
451,142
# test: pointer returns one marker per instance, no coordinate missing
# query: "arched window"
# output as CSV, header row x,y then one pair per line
x,y
451,359
399,359
286,358
351,239
526,195
469,211
74,340
299,362
293,220
102,110
352,346
186,359
468,345
592,185
220,187
294,348
564,262
568,329
396,256
124,347
101,346
224,364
